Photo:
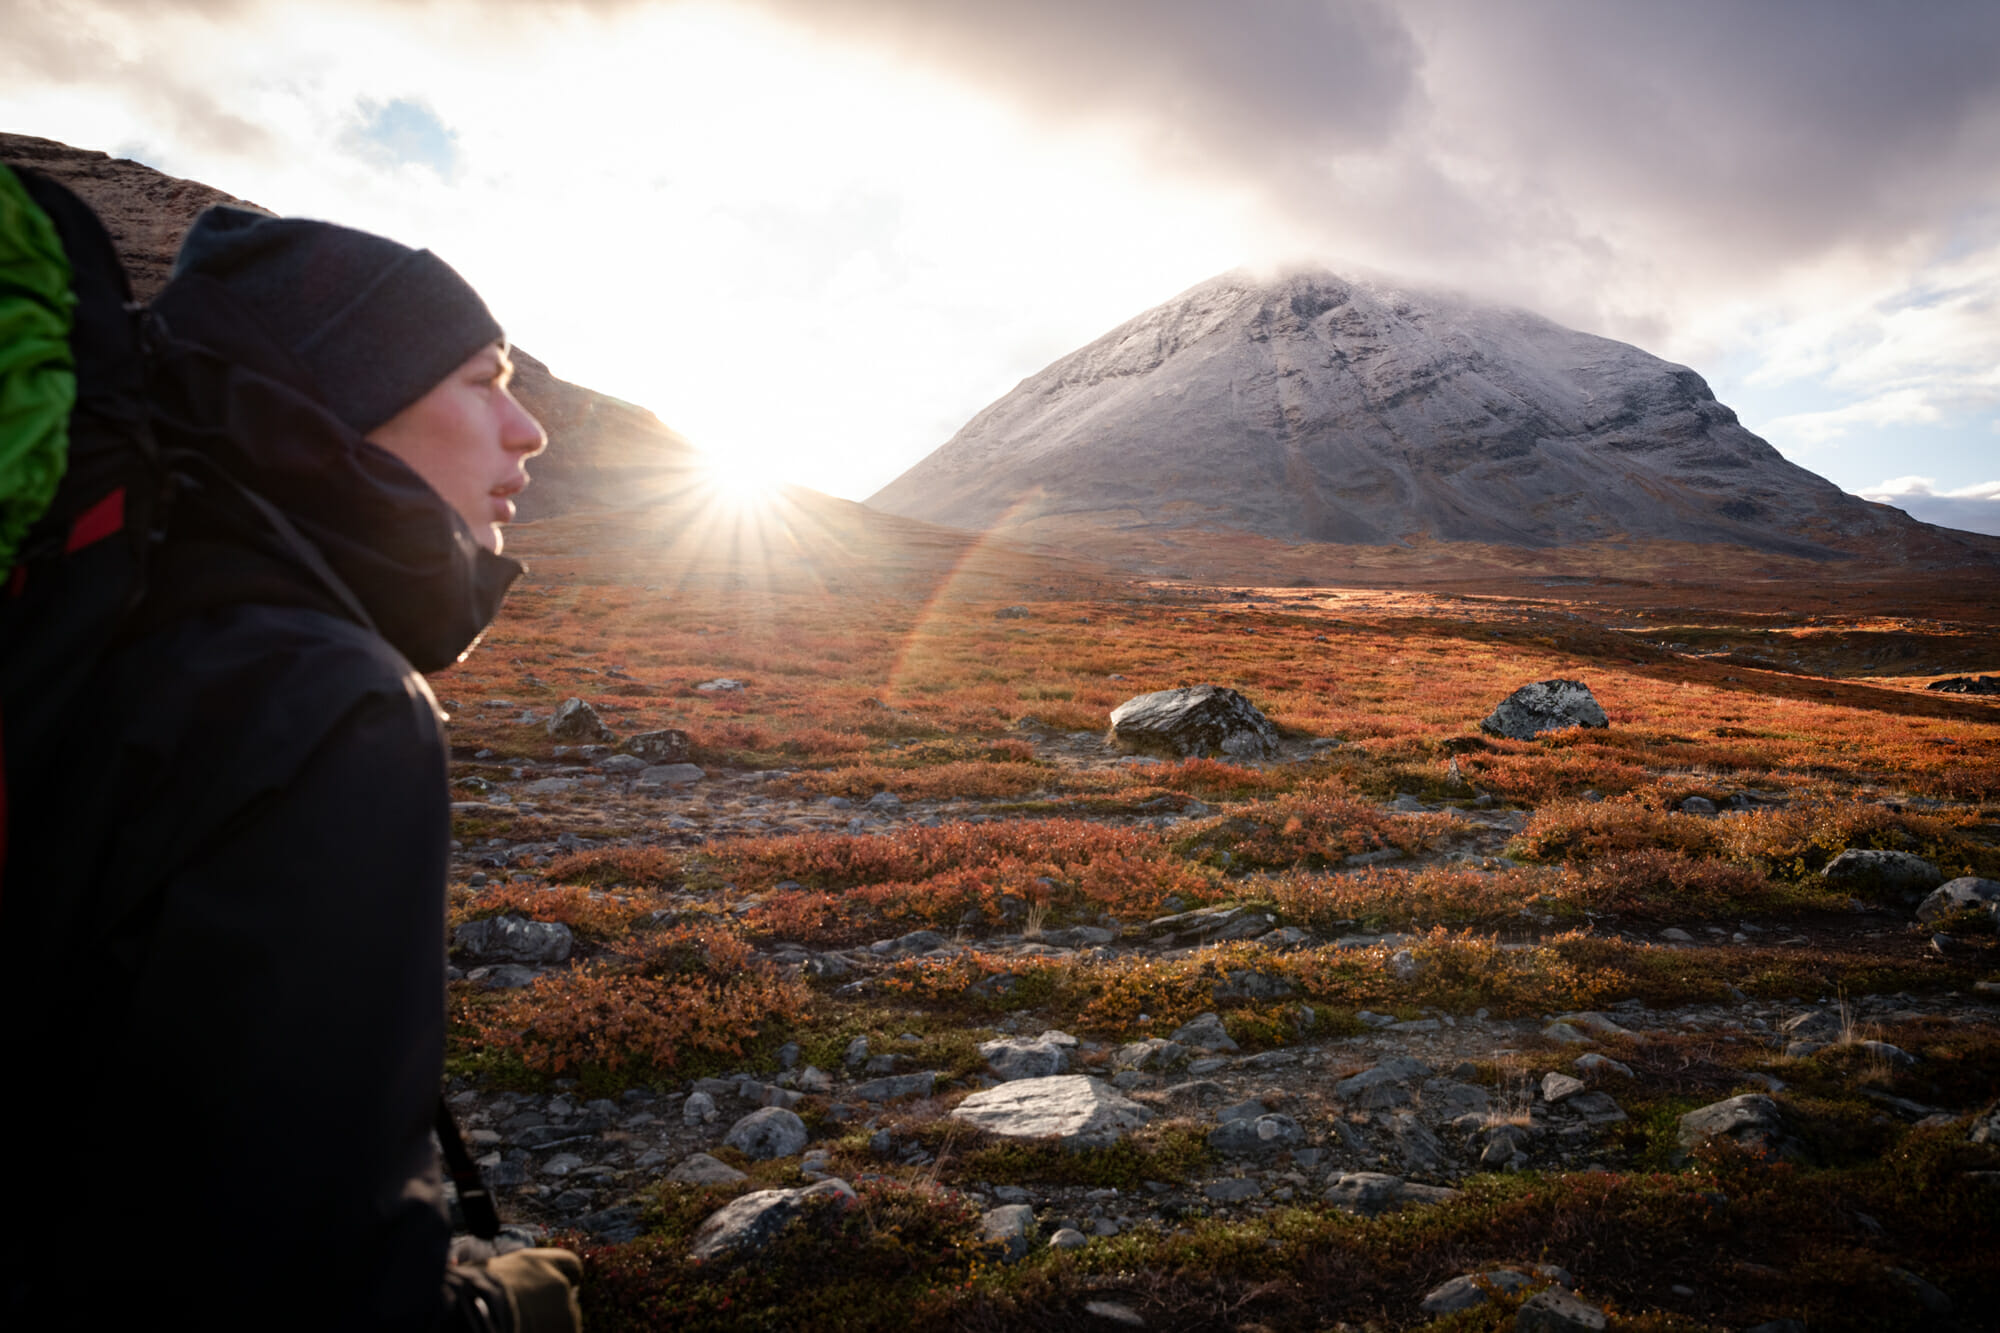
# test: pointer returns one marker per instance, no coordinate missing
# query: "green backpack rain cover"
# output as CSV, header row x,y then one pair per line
x,y
37,370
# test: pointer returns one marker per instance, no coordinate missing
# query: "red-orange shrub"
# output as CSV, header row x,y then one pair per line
x,y
691,993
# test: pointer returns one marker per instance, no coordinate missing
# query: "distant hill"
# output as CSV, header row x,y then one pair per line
x,y
605,452
1319,409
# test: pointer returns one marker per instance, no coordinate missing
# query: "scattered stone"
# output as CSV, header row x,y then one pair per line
x,y
1963,892
1676,935
907,946
1558,1087
720,685
1012,613
502,976
1248,1136
701,1169
1244,984
1472,1289
1206,1033
1934,1301
670,775
667,746
509,939
1155,1053
1009,1229
1013,1058
621,764
1196,722
1068,1238
1116,1313
1565,1033
746,1225
575,720
1545,706
1079,1111
1557,1311
1865,869
1882,1050
767,1133
1372,1193
1383,1086
899,1085
1596,1107
1752,1120
1697,805
1231,1189
1595,1063
698,1109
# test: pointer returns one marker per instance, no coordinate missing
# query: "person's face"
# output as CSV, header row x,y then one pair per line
x,y
470,440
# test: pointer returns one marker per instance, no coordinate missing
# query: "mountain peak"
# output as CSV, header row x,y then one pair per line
x,y
1310,406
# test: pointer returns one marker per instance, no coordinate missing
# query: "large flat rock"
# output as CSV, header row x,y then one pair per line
x,y
1079,1111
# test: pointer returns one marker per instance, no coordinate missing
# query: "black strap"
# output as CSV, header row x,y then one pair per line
x,y
482,1219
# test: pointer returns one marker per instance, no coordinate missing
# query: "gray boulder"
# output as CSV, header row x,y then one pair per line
x,y
1371,1193
1080,1112
667,746
1152,1053
1009,1230
1545,706
1199,721
1256,1136
1965,891
701,1169
509,939
1557,1311
1383,1086
1206,1033
1866,869
575,720
746,1225
1752,1120
767,1133
1011,1058
1471,1289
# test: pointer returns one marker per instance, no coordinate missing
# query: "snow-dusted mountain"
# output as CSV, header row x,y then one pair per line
x,y
1316,408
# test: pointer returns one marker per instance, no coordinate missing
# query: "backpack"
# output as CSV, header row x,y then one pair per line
x,y
84,497
82,492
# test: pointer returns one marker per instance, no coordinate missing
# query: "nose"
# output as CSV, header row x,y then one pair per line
x,y
521,432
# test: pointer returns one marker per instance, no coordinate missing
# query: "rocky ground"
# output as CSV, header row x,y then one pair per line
x,y
1369,1115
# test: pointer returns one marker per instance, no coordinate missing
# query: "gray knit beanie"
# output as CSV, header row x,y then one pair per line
x,y
376,323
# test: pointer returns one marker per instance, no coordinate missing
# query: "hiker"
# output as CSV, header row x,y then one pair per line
x,y
222,1077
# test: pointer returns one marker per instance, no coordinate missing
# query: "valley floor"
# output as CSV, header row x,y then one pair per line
x,y
1406,1004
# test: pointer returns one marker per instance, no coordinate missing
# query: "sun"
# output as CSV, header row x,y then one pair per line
x,y
738,480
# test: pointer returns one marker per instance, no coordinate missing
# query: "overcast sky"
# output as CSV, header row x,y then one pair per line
x,y
819,235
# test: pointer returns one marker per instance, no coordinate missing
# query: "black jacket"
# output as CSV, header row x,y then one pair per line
x,y
225,1051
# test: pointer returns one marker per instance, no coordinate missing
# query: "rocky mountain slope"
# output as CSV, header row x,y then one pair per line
x,y
1322,409
604,451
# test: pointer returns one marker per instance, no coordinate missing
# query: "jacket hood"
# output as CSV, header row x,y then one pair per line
x,y
229,392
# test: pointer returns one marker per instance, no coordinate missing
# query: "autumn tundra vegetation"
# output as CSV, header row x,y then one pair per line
x,y
915,741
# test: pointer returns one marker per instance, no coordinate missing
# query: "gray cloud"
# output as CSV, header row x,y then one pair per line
x,y
50,42
1260,82
1538,145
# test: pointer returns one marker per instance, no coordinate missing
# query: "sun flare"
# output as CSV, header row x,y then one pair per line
x,y
739,481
